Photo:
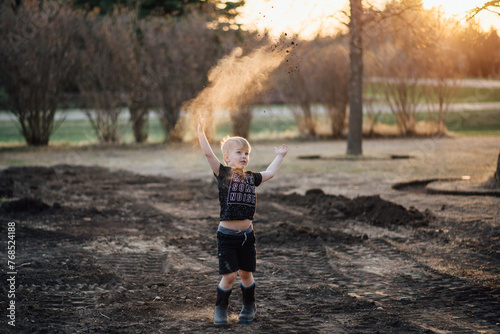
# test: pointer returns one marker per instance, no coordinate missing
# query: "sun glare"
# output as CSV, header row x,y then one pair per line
x,y
310,17
303,17
458,10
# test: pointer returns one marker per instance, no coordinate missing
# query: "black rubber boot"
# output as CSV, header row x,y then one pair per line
x,y
220,313
249,309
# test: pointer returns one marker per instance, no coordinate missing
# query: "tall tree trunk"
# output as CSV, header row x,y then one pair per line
x,y
497,173
355,136
241,120
139,117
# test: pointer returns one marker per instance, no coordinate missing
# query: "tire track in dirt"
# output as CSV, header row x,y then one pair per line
x,y
51,283
380,273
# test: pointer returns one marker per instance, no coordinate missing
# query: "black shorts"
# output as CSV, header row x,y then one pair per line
x,y
236,252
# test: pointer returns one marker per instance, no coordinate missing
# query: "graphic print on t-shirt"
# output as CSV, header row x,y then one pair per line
x,y
241,190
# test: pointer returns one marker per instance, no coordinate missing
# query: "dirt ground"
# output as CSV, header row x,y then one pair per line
x,y
122,240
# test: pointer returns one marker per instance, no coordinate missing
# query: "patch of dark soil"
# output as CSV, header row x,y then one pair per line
x,y
58,273
6,187
25,204
292,233
53,291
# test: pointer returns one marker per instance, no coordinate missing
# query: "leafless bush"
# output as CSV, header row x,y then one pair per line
x,y
292,88
443,71
331,82
142,84
399,60
373,107
302,105
35,63
413,58
317,73
106,64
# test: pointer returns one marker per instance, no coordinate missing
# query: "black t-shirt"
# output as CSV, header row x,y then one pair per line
x,y
237,193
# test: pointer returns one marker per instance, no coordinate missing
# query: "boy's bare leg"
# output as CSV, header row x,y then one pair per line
x,y
246,277
227,281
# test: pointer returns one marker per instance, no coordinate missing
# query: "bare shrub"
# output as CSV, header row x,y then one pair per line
x,y
317,73
302,111
106,64
399,60
373,106
292,87
443,71
332,82
35,63
141,98
403,95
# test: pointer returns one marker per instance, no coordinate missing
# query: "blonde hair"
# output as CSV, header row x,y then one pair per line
x,y
229,142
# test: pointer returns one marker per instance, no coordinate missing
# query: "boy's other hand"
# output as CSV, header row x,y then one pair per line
x,y
281,150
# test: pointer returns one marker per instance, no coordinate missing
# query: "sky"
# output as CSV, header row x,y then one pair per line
x,y
308,16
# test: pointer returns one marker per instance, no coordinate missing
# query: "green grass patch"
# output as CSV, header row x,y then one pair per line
x,y
76,131
462,121
476,95
461,94
263,126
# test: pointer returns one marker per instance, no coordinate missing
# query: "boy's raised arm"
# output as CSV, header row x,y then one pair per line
x,y
275,165
205,147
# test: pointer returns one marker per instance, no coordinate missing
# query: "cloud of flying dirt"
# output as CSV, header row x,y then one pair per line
x,y
236,79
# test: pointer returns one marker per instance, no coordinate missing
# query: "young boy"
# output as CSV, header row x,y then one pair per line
x,y
235,236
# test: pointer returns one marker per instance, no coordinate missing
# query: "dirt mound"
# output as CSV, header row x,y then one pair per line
x,y
380,212
371,209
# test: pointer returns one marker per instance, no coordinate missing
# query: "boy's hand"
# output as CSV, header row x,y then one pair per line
x,y
269,173
281,150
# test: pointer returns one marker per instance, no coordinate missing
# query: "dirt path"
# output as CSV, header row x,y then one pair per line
x,y
109,251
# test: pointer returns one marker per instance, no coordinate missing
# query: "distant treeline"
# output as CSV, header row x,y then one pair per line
x,y
155,55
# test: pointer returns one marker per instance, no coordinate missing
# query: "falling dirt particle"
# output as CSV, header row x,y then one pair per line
x,y
287,51
293,43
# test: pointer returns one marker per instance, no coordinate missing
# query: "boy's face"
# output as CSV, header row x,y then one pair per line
x,y
237,157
